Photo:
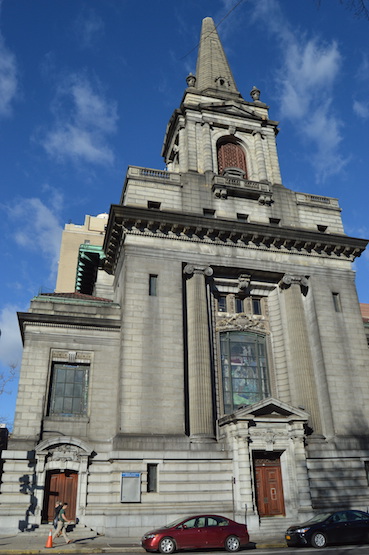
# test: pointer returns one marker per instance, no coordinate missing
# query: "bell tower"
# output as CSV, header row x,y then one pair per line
x,y
215,131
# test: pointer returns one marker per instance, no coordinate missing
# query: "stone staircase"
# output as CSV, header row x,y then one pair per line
x,y
79,531
272,528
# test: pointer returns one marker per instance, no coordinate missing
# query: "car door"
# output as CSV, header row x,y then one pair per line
x,y
358,525
337,529
191,533
216,531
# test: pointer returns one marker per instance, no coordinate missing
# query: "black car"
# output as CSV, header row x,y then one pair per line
x,y
334,528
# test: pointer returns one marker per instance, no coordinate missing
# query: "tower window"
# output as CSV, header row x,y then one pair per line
x,y
337,302
153,204
208,213
242,217
153,283
274,221
231,155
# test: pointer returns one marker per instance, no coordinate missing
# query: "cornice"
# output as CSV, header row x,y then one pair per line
x,y
66,321
174,225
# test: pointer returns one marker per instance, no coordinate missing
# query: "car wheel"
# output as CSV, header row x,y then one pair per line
x,y
232,543
167,545
318,539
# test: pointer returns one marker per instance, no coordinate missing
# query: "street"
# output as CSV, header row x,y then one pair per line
x,y
330,550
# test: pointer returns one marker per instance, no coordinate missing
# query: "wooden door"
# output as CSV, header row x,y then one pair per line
x,y
61,486
269,490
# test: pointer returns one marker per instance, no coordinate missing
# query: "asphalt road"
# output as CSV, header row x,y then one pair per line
x,y
330,550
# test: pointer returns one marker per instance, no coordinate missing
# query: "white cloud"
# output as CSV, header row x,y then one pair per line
x,y
89,27
309,69
10,339
8,79
83,120
38,228
361,109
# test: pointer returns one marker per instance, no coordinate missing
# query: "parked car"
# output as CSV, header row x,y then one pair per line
x,y
195,532
330,528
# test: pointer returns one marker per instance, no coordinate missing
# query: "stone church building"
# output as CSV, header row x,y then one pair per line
x,y
220,363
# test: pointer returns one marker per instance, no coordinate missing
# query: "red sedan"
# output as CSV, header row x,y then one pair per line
x,y
195,532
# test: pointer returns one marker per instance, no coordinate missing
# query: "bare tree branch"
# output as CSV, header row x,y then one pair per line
x,y
360,8
6,377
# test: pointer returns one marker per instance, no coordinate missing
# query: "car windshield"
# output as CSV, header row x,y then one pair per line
x,y
319,518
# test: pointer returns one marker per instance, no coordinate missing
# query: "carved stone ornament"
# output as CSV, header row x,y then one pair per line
x,y
65,453
243,282
255,93
191,80
240,322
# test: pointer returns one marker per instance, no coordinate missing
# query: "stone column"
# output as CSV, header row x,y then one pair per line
x,y
206,148
260,156
182,150
301,371
191,144
199,355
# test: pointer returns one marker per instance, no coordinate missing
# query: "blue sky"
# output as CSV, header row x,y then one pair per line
x,y
88,86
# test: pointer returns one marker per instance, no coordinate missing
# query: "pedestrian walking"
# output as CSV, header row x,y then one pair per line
x,y
58,506
62,524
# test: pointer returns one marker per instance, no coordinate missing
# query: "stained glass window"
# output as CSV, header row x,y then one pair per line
x,y
244,369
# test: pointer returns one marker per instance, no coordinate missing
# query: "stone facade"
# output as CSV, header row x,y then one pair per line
x,y
225,368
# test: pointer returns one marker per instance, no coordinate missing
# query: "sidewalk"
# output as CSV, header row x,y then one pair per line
x,y
30,543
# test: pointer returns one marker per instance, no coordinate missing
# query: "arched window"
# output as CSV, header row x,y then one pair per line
x,y
231,155
244,369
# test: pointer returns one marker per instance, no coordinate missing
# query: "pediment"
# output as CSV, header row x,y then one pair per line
x,y
232,110
270,409
271,406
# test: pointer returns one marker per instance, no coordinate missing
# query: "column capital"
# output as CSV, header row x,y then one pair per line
x,y
289,279
191,269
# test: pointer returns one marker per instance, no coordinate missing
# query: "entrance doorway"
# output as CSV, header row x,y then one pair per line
x,y
269,488
60,486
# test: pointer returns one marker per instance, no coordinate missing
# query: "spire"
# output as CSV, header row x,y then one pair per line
x,y
213,73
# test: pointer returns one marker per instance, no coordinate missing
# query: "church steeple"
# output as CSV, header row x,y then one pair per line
x,y
215,131
213,73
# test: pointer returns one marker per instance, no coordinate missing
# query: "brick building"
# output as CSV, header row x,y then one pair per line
x,y
224,368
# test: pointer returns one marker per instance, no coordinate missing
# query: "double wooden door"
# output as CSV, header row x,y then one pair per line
x,y
60,486
269,489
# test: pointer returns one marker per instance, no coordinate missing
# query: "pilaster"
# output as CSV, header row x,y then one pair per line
x,y
199,356
301,372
